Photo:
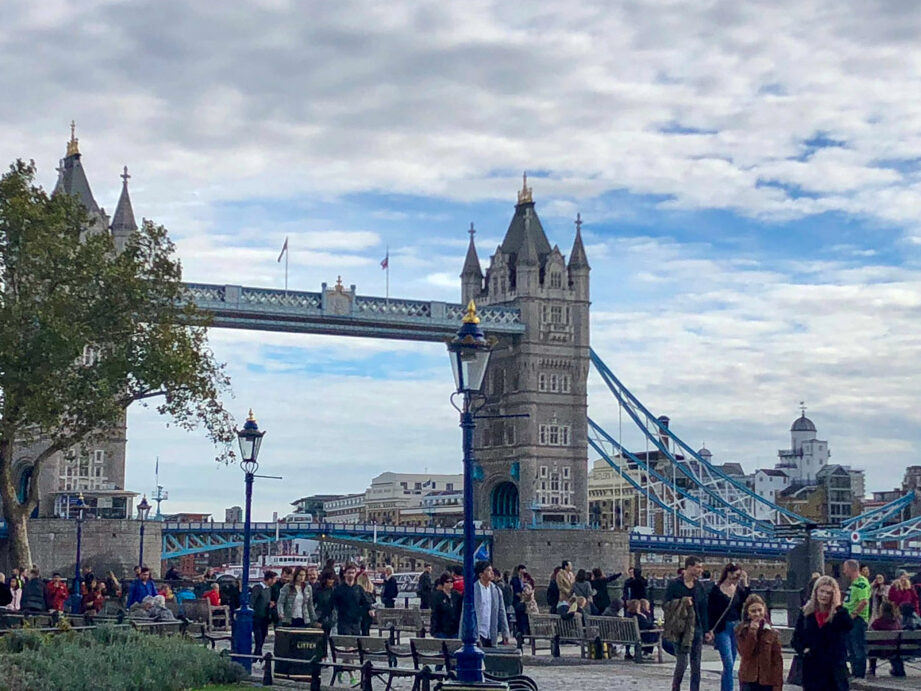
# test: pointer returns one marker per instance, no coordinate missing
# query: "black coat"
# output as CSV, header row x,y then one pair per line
x,y
721,611
635,589
33,596
350,602
391,590
553,594
444,615
602,599
824,651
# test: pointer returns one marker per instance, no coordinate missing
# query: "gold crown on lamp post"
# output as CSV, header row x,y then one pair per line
x,y
470,317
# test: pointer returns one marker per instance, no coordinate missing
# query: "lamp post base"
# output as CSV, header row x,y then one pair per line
x,y
243,637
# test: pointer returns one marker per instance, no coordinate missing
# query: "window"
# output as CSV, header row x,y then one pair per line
x,y
556,279
541,382
543,313
554,383
543,471
553,435
449,486
565,382
99,456
556,314
89,357
566,471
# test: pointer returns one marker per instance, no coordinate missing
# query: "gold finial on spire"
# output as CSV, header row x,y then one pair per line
x,y
470,317
250,417
524,196
72,146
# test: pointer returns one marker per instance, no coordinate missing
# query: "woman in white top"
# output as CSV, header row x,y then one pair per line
x,y
295,602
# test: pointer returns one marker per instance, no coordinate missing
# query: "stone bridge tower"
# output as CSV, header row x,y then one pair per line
x,y
534,470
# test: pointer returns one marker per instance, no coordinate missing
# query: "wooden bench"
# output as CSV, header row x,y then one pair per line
x,y
892,645
344,654
397,621
434,651
572,631
201,612
623,631
544,627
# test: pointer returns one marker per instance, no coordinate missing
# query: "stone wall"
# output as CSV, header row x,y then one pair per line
x,y
106,545
542,550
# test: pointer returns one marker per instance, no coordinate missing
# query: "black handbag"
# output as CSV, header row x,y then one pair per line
x,y
795,675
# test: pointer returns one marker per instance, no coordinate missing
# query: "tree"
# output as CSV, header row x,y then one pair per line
x,y
65,292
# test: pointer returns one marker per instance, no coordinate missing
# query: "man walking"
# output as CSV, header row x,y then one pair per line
x,y
488,607
260,599
857,603
350,603
685,597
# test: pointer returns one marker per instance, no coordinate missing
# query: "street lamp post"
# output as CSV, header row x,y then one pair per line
x,y
76,598
250,438
469,351
143,511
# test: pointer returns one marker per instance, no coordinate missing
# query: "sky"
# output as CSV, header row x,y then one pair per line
x,y
749,176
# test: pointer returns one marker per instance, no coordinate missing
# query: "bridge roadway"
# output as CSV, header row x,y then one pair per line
x,y
445,544
339,311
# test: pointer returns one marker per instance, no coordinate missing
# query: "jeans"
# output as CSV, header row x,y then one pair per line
x,y
260,631
725,643
857,648
682,659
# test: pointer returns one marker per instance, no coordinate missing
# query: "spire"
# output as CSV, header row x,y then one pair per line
x,y
577,258
73,148
123,220
521,233
472,261
71,177
524,197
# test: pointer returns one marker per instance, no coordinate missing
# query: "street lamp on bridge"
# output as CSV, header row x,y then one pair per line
x,y
143,512
469,351
250,438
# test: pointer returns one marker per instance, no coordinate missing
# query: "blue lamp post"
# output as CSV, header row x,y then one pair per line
x,y
76,598
469,352
143,511
250,438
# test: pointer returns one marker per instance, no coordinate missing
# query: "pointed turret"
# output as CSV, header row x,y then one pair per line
x,y
528,252
472,261
123,223
577,258
519,232
71,177
472,274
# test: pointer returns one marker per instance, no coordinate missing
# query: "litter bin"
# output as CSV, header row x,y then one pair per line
x,y
298,644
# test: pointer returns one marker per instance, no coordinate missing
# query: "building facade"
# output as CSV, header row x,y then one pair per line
x,y
533,470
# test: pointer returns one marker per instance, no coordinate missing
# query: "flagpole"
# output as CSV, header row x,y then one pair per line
x,y
387,285
286,267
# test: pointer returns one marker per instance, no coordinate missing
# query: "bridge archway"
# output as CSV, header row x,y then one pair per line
x,y
504,512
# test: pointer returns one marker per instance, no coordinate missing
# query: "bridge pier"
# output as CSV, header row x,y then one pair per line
x,y
802,561
543,549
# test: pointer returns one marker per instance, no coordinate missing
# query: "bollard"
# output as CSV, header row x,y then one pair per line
x,y
393,634
555,646
315,671
367,676
519,640
267,670
425,679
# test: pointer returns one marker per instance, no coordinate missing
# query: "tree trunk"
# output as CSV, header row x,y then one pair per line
x,y
20,554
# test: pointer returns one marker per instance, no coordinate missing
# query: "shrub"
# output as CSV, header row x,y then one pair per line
x,y
109,659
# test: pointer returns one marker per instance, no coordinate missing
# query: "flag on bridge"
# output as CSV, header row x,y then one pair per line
x,y
385,262
284,250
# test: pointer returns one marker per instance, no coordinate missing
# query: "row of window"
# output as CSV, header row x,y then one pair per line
x,y
555,314
554,383
553,435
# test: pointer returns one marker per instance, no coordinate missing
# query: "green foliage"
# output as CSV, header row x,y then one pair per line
x,y
109,659
86,331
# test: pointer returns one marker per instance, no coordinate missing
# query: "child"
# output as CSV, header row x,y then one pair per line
x,y
761,663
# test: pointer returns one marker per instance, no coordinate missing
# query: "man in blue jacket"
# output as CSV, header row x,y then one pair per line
x,y
141,587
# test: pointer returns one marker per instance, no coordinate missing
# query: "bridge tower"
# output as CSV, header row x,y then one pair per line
x,y
534,469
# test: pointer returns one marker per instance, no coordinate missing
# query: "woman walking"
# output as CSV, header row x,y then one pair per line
x,y
724,610
325,608
761,664
820,638
295,601
443,623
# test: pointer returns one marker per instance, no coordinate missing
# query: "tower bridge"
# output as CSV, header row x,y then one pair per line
x,y
532,447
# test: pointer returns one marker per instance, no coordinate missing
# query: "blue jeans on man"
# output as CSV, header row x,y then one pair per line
x,y
857,648
725,643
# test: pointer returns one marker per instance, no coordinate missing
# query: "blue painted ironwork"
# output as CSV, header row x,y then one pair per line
x,y
877,518
446,544
265,309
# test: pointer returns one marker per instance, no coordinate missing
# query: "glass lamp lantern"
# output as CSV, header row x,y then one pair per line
x,y
469,352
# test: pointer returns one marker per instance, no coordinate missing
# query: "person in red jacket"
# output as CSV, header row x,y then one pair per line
x,y
458,579
901,591
214,595
56,593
